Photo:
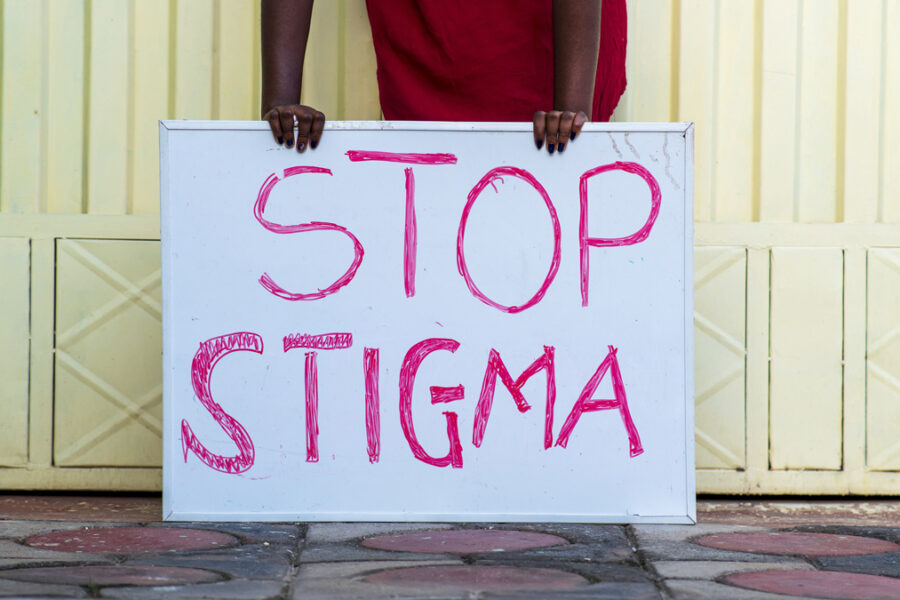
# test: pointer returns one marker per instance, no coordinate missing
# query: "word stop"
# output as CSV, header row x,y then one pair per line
x,y
410,236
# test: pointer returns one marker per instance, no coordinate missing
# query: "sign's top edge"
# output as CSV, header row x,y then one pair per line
x,y
426,126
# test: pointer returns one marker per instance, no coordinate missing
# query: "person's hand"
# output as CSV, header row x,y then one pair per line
x,y
557,128
308,122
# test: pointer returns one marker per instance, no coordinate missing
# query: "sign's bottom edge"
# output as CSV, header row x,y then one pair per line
x,y
679,519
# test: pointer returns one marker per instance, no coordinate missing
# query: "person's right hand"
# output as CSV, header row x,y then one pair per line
x,y
308,121
557,127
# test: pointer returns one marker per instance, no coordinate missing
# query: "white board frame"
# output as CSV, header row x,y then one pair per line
x,y
171,449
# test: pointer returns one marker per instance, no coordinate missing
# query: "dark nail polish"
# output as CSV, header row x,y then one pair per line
x,y
561,148
550,148
572,137
280,140
289,143
313,144
539,143
301,146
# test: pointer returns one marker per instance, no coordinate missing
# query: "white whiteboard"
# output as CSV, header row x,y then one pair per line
x,y
429,280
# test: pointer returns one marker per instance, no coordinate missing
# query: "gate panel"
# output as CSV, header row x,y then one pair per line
x,y
14,334
806,345
883,349
720,276
108,396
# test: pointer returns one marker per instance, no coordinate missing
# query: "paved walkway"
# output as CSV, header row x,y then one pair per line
x,y
115,547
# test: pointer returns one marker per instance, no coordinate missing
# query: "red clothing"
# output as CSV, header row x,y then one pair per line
x,y
482,60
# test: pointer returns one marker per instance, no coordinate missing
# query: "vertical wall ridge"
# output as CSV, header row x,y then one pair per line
x,y
45,69
86,108
130,112
756,176
798,92
675,62
257,60
342,60
714,117
215,109
2,94
841,120
173,58
882,92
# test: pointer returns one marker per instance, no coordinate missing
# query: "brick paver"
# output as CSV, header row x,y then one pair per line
x,y
102,575
873,564
714,569
248,533
254,561
345,532
820,584
696,589
223,590
23,589
13,553
474,578
798,542
125,540
463,541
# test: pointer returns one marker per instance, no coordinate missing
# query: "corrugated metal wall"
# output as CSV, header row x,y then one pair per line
x,y
793,98
84,83
797,200
795,103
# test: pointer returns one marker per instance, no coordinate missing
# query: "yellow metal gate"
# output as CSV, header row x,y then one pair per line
x,y
797,208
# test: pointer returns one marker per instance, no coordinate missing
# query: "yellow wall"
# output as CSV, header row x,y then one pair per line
x,y
84,83
797,199
792,98
795,103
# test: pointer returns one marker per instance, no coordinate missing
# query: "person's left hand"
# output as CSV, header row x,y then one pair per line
x,y
308,122
557,128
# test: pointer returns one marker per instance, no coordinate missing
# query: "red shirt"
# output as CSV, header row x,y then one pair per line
x,y
482,60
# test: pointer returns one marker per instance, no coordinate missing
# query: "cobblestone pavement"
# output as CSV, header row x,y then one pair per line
x,y
115,547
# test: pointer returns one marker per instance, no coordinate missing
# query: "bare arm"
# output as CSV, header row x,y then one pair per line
x,y
576,43
285,30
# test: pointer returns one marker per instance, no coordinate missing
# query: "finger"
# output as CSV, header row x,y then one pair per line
x,y
275,126
578,123
304,125
565,129
540,128
553,118
287,126
315,133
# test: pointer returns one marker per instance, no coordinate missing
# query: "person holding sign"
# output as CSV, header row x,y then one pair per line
x,y
544,61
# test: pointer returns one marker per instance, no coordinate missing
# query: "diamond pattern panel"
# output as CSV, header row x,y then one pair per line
x,y
883,365
108,392
720,281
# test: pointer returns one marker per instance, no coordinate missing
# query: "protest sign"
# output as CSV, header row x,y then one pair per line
x,y
427,321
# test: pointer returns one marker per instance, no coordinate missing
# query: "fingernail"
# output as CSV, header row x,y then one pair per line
x,y
313,144
550,148
280,140
561,148
572,136
301,146
289,143
539,143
